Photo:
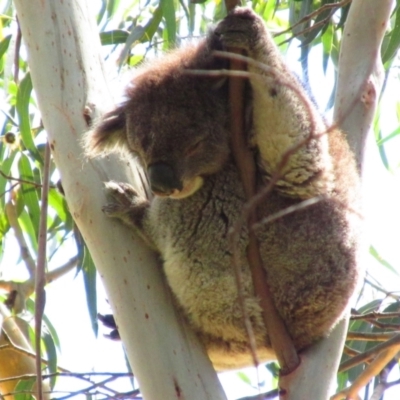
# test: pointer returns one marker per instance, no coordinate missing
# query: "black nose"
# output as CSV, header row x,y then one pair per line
x,y
163,178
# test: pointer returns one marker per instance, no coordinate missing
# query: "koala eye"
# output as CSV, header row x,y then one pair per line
x,y
192,149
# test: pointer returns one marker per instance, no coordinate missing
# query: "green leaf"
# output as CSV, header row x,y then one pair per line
x,y
343,17
27,226
117,36
273,368
29,191
4,45
53,332
342,379
23,98
380,141
327,43
135,60
59,205
135,36
4,228
6,165
102,11
394,41
51,356
168,10
383,262
112,6
30,306
152,26
244,377
388,137
89,278
24,386
268,10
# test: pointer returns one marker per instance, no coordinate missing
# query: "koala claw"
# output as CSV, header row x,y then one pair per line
x,y
124,198
112,209
125,204
122,192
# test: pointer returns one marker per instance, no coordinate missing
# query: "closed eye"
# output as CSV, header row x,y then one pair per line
x,y
194,148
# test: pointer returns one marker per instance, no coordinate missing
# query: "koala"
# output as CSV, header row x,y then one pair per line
x,y
176,124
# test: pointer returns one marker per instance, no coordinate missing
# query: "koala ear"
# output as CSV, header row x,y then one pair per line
x,y
108,135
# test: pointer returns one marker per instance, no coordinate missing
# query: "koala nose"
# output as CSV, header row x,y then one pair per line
x,y
163,178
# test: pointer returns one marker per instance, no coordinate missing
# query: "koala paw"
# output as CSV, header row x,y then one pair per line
x,y
241,28
123,198
125,203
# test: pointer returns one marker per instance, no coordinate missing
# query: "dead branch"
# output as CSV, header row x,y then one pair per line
x,y
244,159
372,337
372,316
376,366
393,342
333,7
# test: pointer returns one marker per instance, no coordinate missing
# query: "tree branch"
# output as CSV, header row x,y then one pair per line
x,y
372,370
25,253
360,70
40,280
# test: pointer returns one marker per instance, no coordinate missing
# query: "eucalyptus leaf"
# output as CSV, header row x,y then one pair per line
x,y
22,106
89,278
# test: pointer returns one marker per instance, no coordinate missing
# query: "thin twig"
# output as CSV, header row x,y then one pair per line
x,y
395,341
244,159
11,178
245,163
26,288
382,385
371,337
381,289
372,370
306,30
350,352
273,394
313,14
393,383
16,53
372,316
40,281
26,255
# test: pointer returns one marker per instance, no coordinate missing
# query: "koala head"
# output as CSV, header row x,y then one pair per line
x,y
174,122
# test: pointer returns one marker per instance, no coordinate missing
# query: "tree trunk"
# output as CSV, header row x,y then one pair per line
x,y
65,61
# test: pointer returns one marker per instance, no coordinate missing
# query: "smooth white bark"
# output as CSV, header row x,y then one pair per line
x,y
359,84
66,66
315,378
360,70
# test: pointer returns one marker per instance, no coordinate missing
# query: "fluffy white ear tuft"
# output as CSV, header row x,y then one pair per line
x,y
108,135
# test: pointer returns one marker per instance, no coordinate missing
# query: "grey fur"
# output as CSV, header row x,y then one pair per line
x,y
182,121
